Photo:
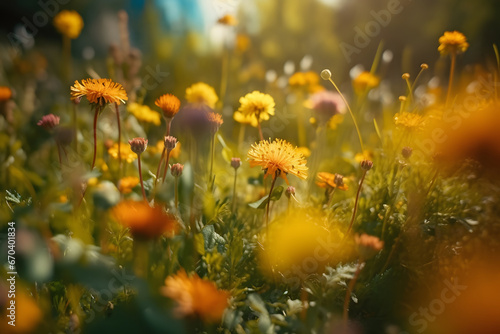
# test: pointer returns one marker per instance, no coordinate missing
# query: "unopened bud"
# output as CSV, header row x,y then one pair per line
x,y
338,180
406,152
138,145
49,121
170,143
235,163
290,191
176,170
366,165
326,74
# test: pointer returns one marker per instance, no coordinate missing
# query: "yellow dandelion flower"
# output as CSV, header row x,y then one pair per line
x,y
5,93
363,156
255,107
169,104
228,20
69,23
127,183
452,42
99,91
409,121
144,113
202,93
195,296
365,81
125,151
143,220
278,158
330,181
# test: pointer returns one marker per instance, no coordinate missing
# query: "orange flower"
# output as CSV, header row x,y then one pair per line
x,y
368,245
169,104
5,93
330,181
99,91
143,220
196,296
228,20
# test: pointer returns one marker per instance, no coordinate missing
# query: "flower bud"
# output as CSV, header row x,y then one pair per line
x,y
176,170
170,143
406,152
48,122
290,191
235,163
366,165
338,180
326,74
138,145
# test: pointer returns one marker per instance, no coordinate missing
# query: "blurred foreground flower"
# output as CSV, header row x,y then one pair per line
x,y
298,245
69,23
478,138
202,93
26,316
144,221
195,296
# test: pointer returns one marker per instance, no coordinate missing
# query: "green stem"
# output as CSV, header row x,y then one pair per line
x,y
96,113
140,177
347,299
166,166
119,136
234,189
450,82
350,112
356,202
212,156
176,192
269,200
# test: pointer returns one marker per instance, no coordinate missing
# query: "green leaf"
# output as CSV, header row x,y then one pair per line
x,y
199,243
261,203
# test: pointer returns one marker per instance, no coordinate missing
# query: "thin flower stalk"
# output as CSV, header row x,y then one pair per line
x,y
327,75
